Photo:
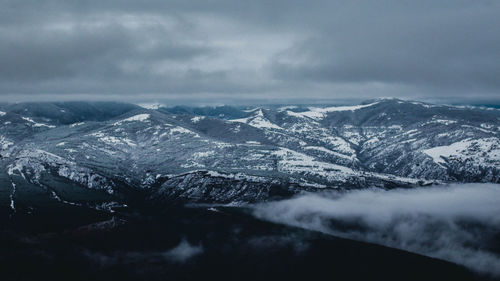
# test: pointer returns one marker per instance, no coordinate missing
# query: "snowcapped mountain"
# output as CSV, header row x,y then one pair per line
x,y
230,154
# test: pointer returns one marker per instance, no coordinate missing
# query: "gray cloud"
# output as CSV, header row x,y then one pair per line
x,y
183,252
231,50
448,48
457,223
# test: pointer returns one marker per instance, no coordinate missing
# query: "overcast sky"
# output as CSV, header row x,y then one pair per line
x,y
230,51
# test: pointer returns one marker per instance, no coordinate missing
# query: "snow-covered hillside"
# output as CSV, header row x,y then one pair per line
x,y
174,152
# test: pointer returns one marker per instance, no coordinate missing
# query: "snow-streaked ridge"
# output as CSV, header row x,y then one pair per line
x,y
320,112
258,120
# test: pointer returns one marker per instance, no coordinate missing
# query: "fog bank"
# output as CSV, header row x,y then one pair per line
x,y
458,223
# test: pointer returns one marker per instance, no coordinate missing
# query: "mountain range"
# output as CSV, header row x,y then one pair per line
x,y
102,154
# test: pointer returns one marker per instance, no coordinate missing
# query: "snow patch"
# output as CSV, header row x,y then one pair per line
x,y
481,151
320,113
112,140
35,124
180,130
139,117
11,196
153,105
76,124
258,121
5,143
283,108
197,119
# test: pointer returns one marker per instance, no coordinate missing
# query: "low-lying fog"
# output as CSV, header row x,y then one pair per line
x,y
459,223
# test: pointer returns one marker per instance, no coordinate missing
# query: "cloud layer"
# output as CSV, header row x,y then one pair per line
x,y
233,50
457,223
